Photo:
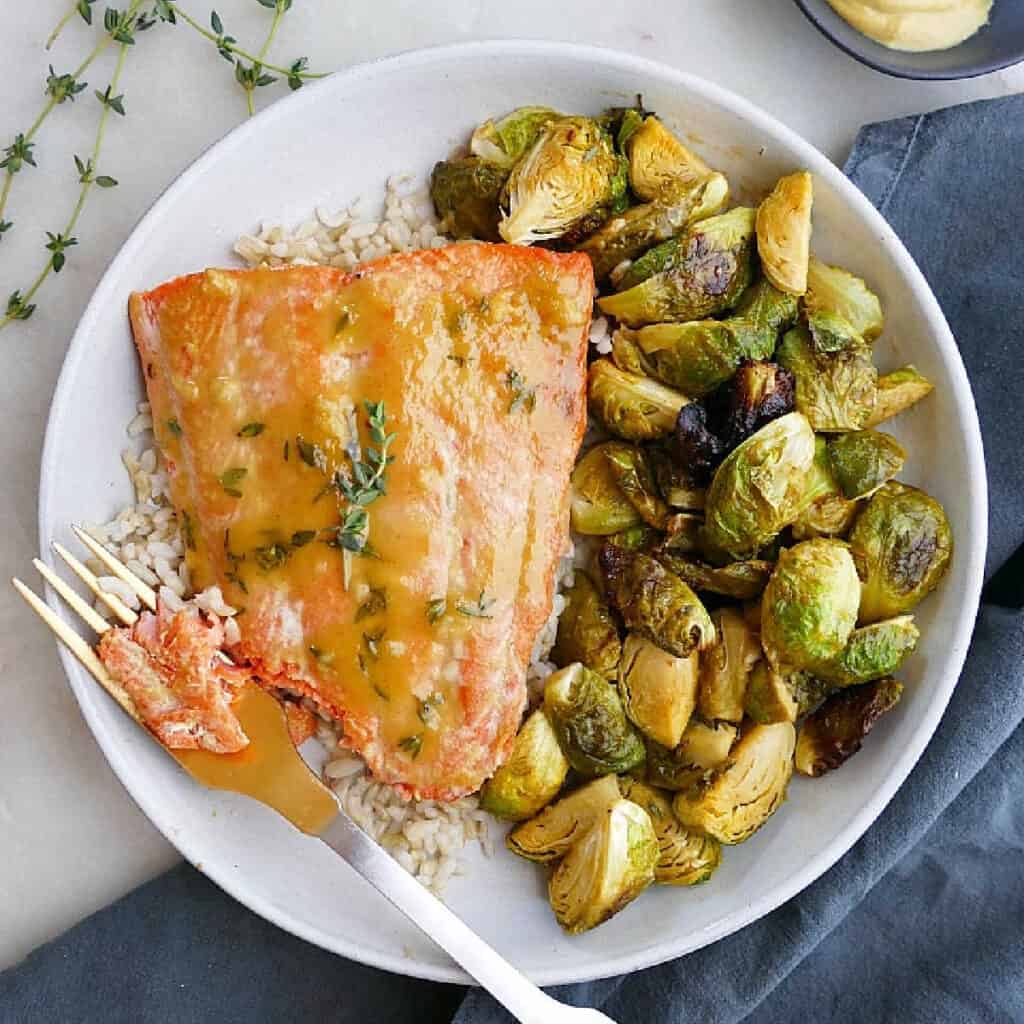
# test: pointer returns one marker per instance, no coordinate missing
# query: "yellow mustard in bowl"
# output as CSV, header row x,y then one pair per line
x,y
915,25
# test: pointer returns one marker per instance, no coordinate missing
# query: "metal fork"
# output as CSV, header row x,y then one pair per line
x,y
270,770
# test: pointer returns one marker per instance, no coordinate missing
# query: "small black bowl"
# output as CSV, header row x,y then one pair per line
x,y
998,45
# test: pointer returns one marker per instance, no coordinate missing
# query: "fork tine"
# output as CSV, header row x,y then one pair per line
x,y
78,647
86,611
146,594
115,604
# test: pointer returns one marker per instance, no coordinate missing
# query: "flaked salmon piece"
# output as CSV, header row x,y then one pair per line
x,y
169,664
259,381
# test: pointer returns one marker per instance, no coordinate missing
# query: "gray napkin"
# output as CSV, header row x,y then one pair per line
x,y
920,922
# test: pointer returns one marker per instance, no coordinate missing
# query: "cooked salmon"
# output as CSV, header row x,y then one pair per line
x,y
375,466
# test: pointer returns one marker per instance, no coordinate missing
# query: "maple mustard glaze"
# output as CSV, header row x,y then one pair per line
x,y
257,383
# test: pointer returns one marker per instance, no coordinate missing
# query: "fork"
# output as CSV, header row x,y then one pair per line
x,y
271,770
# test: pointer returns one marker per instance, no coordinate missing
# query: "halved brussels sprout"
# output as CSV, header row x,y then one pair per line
x,y
834,290
693,444
684,858
758,489
532,775
835,732
872,652
633,475
606,870
636,408
741,580
902,544
725,668
549,836
836,391
628,355
809,691
760,316
784,232
629,233
830,516
504,141
677,487
654,602
465,194
897,392
682,533
571,170
810,605
586,631
597,505
703,750
658,690
588,718
745,794
830,332
863,460
657,158
703,272
770,696
759,392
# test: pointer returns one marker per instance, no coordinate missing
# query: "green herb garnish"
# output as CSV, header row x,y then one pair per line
x,y
412,745
436,609
252,430
231,478
302,537
174,427
523,396
271,556
375,603
480,610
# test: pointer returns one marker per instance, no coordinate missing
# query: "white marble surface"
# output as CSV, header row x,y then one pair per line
x,y
71,840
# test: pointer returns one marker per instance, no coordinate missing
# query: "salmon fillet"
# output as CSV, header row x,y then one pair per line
x,y
259,380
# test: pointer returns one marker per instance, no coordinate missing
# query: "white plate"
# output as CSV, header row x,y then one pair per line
x,y
338,139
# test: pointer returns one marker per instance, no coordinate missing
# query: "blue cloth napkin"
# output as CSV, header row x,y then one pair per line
x,y
920,922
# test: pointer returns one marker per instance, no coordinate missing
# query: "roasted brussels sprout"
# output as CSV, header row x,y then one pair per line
x,y
636,538
703,750
830,332
654,602
465,194
872,652
658,689
834,390
606,870
834,290
633,475
760,316
570,171
677,487
898,391
586,631
835,732
863,460
725,668
901,543
810,605
636,408
626,235
684,858
597,505
532,775
758,489
758,393
745,794
504,141
741,580
770,696
826,512
657,158
587,715
702,272
549,836
682,533
784,233
692,443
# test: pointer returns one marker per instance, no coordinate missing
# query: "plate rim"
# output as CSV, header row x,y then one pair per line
x,y
972,549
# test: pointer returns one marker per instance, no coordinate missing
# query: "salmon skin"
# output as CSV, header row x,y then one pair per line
x,y
264,386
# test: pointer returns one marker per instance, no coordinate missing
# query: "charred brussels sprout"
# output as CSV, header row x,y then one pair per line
x,y
745,794
810,605
633,407
702,751
587,715
834,290
571,171
677,487
872,652
633,475
863,460
597,505
684,858
465,194
834,390
835,732
549,836
626,235
606,870
898,391
770,696
725,668
702,272
902,544
657,158
586,631
532,775
654,602
504,141
658,689
758,489
784,233
741,580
